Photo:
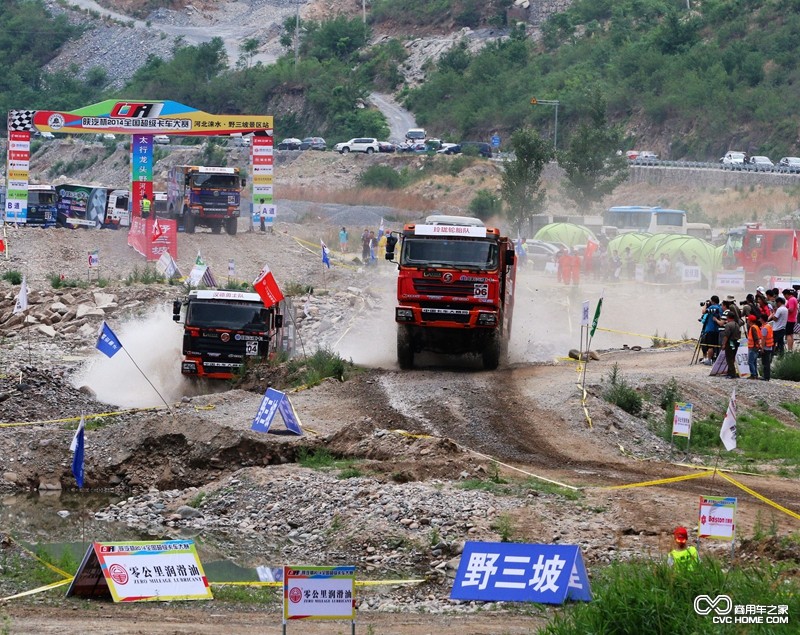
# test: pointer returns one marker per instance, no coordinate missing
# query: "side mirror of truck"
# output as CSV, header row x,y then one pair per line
x,y
244,182
278,321
176,310
510,258
391,242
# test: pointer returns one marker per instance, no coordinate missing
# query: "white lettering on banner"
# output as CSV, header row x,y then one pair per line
x,y
137,122
545,574
513,572
450,230
480,568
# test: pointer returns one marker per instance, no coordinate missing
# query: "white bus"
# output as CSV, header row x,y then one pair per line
x,y
639,218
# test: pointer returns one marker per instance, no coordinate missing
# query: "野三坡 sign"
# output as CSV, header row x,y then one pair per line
x,y
717,517
682,420
319,593
514,572
141,571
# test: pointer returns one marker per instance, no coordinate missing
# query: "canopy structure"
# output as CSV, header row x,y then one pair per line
x,y
688,249
568,233
633,240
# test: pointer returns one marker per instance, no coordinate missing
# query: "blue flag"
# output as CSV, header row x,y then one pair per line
x,y
326,258
77,457
108,343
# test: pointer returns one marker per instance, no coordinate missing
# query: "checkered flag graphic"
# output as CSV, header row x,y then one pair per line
x,y
20,119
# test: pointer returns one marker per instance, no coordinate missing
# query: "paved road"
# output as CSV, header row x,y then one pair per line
x,y
398,118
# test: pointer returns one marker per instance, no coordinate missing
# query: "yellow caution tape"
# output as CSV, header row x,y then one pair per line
x,y
47,587
661,481
98,415
412,435
649,337
521,471
208,407
52,567
760,497
312,248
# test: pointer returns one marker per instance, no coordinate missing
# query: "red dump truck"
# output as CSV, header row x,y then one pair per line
x,y
455,289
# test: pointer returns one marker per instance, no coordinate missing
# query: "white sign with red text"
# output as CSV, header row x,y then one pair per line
x,y
319,593
717,517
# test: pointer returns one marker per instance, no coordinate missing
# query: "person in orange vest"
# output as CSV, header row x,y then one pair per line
x,y
753,344
563,266
767,343
575,269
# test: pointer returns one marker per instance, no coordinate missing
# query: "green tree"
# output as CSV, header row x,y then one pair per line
x,y
521,187
248,50
591,163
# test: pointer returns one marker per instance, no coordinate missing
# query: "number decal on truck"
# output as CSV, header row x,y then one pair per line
x,y
251,348
481,291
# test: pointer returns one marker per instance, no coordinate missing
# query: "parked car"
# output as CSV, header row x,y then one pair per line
x,y
386,146
539,253
641,155
289,143
162,139
313,143
471,147
44,135
359,144
412,147
106,137
445,147
734,159
416,135
789,164
760,164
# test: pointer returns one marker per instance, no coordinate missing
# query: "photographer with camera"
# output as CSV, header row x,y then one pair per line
x,y
709,336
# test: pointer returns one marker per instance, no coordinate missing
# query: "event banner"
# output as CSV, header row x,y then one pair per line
x,y
272,403
262,160
682,420
319,593
141,172
141,571
17,167
717,517
515,572
142,116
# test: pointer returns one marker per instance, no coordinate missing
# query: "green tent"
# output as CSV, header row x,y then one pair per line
x,y
569,234
689,249
634,240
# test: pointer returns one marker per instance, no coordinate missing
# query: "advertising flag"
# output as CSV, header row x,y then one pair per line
x,y
108,343
199,259
596,316
728,431
157,232
77,453
22,298
326,258
2,245
795,251
266,287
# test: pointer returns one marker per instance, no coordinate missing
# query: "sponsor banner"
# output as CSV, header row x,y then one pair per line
x,y
94,259
17,166
717,517
730,280
141,571
469,231
81,205
690,273
319,593
682,420
140,237
144,117
261,168
585,313
141,172
515,572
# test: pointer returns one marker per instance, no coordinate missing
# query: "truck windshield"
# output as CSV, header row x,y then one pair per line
x,y
42,198
225,316
224,181
436,252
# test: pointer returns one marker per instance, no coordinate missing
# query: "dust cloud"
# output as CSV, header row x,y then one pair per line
x,y
154,343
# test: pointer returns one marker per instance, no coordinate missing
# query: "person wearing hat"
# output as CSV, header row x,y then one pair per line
x,y
731,335
753,344
732,306
683,556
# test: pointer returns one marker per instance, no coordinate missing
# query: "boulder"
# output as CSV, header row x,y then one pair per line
x,y
47,330
105,300
86,310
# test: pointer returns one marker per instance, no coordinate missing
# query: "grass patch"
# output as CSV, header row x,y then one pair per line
x,y
13,276
787,367
350,472
247,594
58,281
321,459
197,499
324,363
504,526
145,275
621,394
651,597
293,289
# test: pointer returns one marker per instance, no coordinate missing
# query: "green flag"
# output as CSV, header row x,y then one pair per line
x,y
596,316
199,259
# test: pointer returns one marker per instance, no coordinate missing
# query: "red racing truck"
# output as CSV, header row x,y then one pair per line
x,y
762,253
223,329
455,289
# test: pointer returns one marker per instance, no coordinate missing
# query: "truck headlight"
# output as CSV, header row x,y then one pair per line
x,y
403,315
487,318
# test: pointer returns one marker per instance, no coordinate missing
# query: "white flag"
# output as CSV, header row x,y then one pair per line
x,y
22,298
728,431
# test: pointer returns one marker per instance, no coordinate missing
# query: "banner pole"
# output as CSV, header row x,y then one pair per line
x,y
146,378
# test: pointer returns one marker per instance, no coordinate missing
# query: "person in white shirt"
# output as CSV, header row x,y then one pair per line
x,y
779,320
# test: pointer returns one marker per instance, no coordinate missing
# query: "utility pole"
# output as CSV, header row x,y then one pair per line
x,y
364,10
549,102
296,29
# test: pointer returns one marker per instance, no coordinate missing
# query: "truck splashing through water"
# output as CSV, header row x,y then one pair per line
x,y
455,289
223,329
199,196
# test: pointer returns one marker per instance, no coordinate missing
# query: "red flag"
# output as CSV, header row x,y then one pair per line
x,y
591,247
157,233
266,287
2,245
795,252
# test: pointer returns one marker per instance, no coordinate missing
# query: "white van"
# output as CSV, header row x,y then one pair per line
x,y
416,135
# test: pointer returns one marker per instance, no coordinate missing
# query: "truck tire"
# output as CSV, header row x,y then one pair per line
x,y
405,349
491,351
188,223
231,225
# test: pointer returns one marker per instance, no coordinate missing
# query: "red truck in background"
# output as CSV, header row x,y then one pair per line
x,y
455,289
762,253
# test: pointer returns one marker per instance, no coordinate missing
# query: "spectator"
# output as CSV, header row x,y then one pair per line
x,y
365,246
779,320
343,238
753,344
731,335
767,343
709,336
683,557
791,308
382,245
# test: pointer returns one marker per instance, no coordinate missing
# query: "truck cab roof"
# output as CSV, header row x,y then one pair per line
x,y
218,294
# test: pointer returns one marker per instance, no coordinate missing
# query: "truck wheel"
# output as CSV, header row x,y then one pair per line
x,y
231,225
405,349
491,352
188,224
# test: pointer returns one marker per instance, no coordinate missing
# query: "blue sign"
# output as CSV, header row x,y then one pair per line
x,y
514,572
495,141
275,401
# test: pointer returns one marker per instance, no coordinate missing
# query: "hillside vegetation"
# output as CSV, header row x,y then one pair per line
x,y
686,83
